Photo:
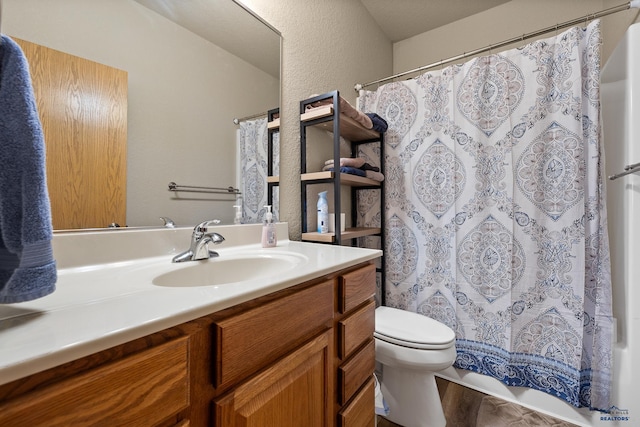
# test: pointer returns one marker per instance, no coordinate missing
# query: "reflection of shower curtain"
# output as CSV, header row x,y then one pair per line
x,y
253,164
496,221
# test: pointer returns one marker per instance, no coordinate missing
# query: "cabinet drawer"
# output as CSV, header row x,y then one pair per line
x,y
145,388
250,340
360,412
356,287
355,329
355,371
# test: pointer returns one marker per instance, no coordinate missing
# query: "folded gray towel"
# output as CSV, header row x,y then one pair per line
x,y
27,268
375,175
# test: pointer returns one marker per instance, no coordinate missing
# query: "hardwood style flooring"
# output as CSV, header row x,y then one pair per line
x,y
464,407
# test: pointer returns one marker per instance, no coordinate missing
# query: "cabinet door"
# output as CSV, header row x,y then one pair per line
x,y
292,392
83,109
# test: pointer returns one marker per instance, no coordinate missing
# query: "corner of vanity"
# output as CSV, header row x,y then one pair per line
x,y
300,354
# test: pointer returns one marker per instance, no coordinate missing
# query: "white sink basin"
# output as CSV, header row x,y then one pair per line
x,y
229,269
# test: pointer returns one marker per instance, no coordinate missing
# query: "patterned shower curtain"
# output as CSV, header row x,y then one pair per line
x,y
253,138
495,212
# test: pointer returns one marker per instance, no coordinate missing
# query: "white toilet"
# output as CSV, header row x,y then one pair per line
x,y
411,347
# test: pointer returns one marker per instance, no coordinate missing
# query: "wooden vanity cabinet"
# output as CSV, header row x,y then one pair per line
x,y
355,355
293,379
274,360
148,387
294,391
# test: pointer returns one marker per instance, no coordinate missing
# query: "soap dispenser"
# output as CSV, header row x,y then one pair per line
x,y
323,213
269,238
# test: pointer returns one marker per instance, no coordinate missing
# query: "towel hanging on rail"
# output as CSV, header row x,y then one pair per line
x,y
27,268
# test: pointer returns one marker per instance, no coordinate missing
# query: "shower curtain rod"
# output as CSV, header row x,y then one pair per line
x,y
611,10
242,119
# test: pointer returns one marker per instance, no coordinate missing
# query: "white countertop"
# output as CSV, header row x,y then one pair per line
x,y
105,294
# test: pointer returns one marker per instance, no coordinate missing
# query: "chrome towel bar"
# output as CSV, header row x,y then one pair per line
x,y
627,170
198,189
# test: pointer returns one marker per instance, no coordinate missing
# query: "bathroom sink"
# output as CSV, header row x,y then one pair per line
x,y
229,269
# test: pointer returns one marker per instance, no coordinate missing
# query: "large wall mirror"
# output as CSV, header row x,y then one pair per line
x,y
192,66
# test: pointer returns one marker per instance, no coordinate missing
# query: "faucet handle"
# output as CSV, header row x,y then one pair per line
x,y
202,227
167,222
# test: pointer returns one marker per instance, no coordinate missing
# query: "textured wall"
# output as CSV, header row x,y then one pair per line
x,y
327,45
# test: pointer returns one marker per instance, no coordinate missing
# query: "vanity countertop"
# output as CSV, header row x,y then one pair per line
x,y
105,293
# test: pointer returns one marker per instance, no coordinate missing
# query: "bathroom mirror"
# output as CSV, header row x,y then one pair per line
x,y
193,66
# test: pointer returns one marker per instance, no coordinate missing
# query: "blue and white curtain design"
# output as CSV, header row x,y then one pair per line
x,y
253,138
495,212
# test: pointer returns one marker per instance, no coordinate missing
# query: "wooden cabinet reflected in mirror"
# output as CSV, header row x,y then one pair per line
x,y
83,109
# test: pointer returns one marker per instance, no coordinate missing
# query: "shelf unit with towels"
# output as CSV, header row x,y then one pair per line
x,y
273,128
328,117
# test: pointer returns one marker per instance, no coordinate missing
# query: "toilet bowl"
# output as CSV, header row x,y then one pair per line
x,y
411,348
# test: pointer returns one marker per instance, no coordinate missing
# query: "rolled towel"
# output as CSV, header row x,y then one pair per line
x,y
368,167
355,162
379,124
346,109
351,171
377,176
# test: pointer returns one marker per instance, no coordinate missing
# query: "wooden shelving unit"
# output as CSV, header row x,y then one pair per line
x,y
273,127
328,117
345,179
349,233
349,128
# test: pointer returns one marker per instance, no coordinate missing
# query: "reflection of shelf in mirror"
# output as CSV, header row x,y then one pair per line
x,y
345,178
274,124
349,128
349,233
273,179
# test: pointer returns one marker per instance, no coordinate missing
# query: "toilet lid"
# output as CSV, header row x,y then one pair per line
x,y
413,330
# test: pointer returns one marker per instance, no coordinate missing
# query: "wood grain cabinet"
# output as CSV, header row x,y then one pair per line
x,y
142,389
294,391
272,361
355,355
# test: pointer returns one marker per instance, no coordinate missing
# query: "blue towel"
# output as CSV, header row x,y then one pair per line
x,y
379,124
27,268
350,170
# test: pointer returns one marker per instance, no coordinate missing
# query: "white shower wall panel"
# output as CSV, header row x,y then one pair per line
x,y
620,95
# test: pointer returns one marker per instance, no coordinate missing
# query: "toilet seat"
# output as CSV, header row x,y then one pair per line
x,y
408,329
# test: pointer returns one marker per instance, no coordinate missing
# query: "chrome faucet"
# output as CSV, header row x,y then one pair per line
x,y
168,222
200,239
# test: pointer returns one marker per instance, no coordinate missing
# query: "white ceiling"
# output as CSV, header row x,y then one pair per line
x,y
401,19
227,25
